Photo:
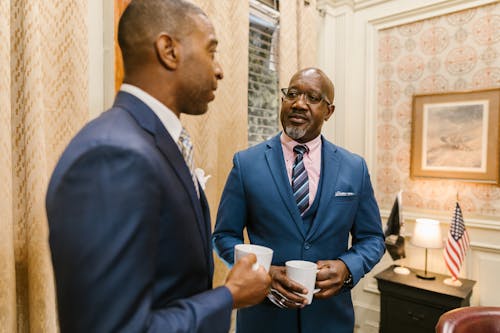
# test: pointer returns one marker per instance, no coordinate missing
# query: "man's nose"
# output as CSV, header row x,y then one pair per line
x,y
301,102
219,73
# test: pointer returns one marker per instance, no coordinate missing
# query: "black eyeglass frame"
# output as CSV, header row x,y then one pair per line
x,y
299,93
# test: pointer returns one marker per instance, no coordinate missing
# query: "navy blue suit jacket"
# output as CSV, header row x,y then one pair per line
x,y
258,196
130,239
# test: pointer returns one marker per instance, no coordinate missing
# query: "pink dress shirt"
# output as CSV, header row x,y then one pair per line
x,y
312,161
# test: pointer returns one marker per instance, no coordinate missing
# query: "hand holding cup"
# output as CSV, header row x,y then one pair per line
x,y
247,285
249,281
264,254
293,285
304,273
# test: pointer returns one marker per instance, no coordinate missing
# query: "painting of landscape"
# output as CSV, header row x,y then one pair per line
x,y
455,136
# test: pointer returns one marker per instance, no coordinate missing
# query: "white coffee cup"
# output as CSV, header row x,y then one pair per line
x,y
303,272
264,254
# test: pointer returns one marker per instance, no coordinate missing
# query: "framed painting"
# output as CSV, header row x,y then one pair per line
x,y
456,135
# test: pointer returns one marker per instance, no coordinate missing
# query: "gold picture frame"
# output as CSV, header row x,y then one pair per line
x,y
456,135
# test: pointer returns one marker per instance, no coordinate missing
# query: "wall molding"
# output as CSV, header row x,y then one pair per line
x,y
483,267
445,218
354,4
370,286
485,247
369,321
372,323
366,306
335,3
427,11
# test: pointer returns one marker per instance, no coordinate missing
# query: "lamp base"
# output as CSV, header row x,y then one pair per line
x,y
426,277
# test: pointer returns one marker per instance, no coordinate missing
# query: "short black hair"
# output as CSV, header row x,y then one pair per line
x,y
143,20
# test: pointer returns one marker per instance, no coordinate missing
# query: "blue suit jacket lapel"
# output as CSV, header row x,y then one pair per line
x,y
329,173
148,120
277,166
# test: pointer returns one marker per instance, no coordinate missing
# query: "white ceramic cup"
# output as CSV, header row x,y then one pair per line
x,y
303,272
264,254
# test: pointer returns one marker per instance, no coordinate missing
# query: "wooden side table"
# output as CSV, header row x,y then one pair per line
x,y
412,305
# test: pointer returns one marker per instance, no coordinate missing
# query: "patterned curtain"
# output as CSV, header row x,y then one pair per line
x,y
298,37
7,262
222,131
43,102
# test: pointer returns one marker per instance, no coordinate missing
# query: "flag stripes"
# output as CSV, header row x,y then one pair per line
x,y
457,243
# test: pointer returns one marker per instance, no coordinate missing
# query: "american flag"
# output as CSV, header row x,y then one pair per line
x,y
457,243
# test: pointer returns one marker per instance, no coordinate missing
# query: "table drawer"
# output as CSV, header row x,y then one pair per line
x,y
412,314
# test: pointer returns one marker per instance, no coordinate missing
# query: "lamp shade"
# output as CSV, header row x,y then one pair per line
x,y
427,233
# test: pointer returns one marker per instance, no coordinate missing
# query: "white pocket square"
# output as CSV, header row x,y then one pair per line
x,y
344,194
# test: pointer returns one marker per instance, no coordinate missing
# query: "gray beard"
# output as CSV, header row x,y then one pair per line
x,y
295,132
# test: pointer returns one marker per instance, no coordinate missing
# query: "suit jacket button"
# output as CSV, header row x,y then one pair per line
x,y
307,246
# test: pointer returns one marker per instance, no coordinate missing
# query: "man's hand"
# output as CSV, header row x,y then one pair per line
x,y
283,289
247,286
330,278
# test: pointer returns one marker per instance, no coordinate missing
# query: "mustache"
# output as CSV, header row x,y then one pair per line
x,y
298,114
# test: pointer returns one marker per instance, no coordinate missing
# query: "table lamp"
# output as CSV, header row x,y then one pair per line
x,y
427,234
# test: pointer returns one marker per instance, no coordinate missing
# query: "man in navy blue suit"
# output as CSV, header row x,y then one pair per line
x,y
129,222
302,196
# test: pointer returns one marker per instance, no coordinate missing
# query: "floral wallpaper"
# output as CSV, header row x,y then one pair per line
x,y
455,52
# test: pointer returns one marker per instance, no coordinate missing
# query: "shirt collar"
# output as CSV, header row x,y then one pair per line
x,y
289,143
166,116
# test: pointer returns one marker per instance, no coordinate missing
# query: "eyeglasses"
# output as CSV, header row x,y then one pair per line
x,y
311,97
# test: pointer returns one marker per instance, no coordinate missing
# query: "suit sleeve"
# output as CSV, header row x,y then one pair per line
x,y
103,216
231,216
367,235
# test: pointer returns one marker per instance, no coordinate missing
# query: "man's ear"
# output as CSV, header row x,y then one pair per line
x,y
331,110
167,50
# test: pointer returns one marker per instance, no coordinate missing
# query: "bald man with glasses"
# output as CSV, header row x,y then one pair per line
x,y
302,196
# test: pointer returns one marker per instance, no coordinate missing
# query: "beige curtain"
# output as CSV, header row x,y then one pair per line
x,y
298,37
7,262
222,131
43,102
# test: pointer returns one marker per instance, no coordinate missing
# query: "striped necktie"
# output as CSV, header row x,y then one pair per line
x,y
300,180
186,148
